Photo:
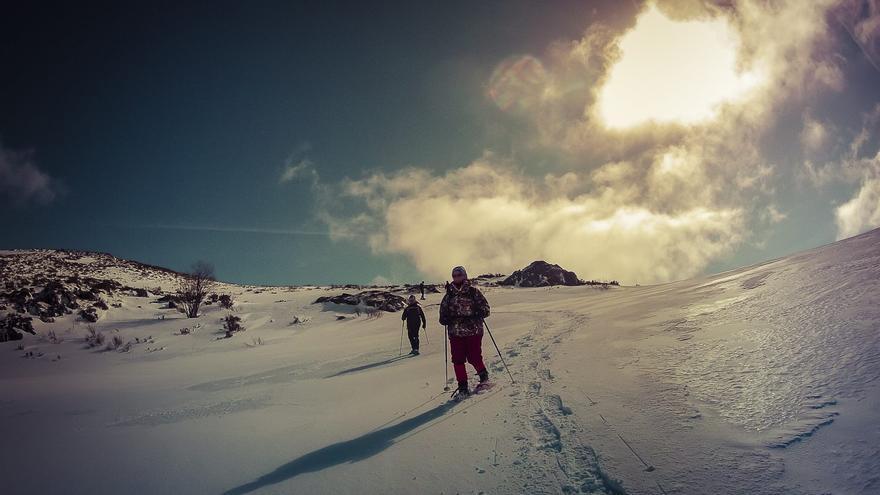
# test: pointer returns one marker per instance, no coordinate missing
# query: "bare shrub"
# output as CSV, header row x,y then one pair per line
x,y
194,287
94,338
115,343
374,313
226,301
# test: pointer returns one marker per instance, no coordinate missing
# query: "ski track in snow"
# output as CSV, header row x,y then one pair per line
x,y
552,458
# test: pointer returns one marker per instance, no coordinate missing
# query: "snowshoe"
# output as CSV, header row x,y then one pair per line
x,y
462,392
483,387
484,376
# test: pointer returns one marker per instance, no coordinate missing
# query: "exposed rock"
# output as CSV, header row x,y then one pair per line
x,y
18,298
12,324
379,299
541,274
87,295
170,299
89,314
383,300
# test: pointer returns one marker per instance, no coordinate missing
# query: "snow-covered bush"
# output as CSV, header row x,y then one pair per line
x,y
232,324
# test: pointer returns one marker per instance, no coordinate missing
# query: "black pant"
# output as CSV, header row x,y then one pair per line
x,y
413,333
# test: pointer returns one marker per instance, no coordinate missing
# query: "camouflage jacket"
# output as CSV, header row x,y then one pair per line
x,y
463,309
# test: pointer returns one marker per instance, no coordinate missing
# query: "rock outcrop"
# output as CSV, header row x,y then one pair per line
x,y
379,299
11,326
541,274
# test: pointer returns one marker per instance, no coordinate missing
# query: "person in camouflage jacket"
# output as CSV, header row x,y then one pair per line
x,y
462,311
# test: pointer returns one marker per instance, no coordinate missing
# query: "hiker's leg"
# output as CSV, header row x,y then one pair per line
x,y
475,352
458,346
413,337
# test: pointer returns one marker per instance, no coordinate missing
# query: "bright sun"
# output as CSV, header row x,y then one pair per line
x,y
672,71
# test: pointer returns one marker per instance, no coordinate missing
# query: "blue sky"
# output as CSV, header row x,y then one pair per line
x,y
163,133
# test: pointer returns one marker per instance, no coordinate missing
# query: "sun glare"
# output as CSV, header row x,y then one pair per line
x,y
673,71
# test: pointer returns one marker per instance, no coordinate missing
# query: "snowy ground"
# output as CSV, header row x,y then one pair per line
x,y
759,380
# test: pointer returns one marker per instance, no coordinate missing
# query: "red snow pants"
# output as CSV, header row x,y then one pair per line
x,y
466,349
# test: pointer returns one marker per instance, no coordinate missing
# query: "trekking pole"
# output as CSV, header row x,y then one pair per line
x,y
445,360
499,352
426,335
400,349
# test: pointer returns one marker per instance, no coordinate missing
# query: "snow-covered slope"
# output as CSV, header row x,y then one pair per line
x,y
759,380
26,265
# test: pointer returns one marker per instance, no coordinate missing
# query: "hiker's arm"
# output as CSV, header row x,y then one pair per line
x,y
482,304
444,311
424,321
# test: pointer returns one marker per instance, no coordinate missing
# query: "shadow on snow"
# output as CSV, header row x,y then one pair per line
x,y
349,451
371,365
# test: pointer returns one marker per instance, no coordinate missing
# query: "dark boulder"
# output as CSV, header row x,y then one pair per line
x,y
383,300
89,314
541,274
12,324
343,298
87,295
54,299
379,299
18,298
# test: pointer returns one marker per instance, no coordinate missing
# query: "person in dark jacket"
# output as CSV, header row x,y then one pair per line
x,y
462,311
413,315
422,289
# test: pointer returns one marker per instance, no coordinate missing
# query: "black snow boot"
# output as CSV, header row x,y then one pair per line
x,y
463,390
484,376
414,352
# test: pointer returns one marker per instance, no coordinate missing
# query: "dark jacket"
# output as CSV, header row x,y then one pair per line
x,y
462,310
414,315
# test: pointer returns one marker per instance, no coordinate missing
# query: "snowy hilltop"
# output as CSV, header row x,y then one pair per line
x,y
760,380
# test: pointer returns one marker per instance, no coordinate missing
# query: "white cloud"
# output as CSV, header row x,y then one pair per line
x,y
302,168
852,165
22,182
814,135
490,217
862,212
646,202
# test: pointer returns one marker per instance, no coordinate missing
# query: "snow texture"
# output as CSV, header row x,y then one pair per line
x,y
761,380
